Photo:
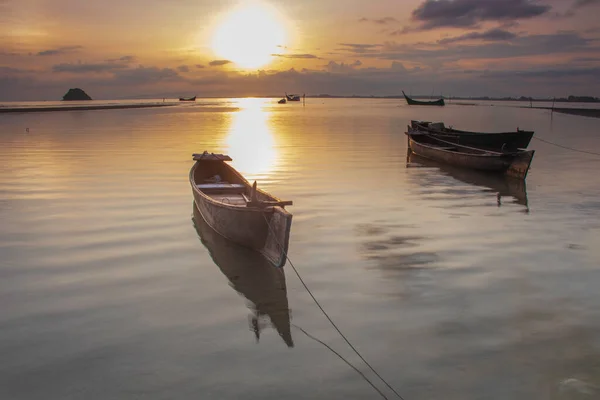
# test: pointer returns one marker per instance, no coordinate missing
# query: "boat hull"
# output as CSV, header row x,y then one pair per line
x,y
515,165
265,230
493,141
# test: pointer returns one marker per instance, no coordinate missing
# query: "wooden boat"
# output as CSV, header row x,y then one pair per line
x,y
502,185
282,101
292,97
187,98
514,163
413,102
252,276
239,211
518,139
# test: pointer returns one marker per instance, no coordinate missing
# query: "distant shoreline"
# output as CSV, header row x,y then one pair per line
x,y
79,108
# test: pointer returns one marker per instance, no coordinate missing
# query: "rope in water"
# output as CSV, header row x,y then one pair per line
x,y
343,359
567,148
330,320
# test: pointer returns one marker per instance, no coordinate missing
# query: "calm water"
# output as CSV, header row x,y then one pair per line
x,y
453,285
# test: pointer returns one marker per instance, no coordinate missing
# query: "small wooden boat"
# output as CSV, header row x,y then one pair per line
x,y
413,102
502,185
518,139
282,101
292,97
239,211
515,163
187,98
251,275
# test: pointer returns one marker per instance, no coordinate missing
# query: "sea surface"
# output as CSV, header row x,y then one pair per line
x,y
453,285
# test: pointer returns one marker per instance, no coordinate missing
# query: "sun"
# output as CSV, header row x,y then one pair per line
x,y
250,36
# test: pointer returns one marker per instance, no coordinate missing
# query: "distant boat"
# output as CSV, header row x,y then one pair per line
x,y
187,98
412,102
515,163
239,211
282,101
252,276
518,139
292,97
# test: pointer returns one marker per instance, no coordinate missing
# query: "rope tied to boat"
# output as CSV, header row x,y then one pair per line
x,y
566,147
335,327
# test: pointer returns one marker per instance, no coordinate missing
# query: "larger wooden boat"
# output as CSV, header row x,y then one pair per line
x,y
518,139
292,97
413,102
252,276
514,163
239,211
187,98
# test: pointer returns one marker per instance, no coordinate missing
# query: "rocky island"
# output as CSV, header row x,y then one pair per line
x,y
76,95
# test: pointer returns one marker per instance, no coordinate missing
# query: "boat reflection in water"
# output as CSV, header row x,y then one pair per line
x,y
252,276
503,185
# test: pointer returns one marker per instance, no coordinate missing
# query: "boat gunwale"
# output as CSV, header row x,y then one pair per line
x,y
452,131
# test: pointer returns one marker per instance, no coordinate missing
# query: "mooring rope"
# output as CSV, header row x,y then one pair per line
x,y
343,359
566,147
331,321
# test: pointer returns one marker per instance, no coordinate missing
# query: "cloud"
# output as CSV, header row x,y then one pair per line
x,y
432,14
520,46
555,73
124,59
59,51
334,67
8,54
380,21
199,66
492,35
577,4
12,71
585,3
88,68
398,66
305,56
183,68
359,48
143,75
218,63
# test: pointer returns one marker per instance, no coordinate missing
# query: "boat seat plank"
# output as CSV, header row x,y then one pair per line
x,y
220,185
226,198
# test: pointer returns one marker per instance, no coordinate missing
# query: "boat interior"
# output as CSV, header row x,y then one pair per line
x,y
441,144
220,182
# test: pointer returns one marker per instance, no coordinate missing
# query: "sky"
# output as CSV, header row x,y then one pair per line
x,y
115,49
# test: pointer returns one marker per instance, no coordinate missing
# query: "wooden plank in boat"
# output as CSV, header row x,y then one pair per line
x,y
220,185
230,199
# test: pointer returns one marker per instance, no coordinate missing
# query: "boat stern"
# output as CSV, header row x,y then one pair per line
x,y
278,237
520,165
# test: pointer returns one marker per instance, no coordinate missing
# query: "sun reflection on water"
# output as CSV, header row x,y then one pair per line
x,y
250,141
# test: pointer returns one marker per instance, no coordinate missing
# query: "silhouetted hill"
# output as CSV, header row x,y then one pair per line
x,y
76,94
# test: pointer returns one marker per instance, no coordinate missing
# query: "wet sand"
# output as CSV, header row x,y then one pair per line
x,y
80,108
